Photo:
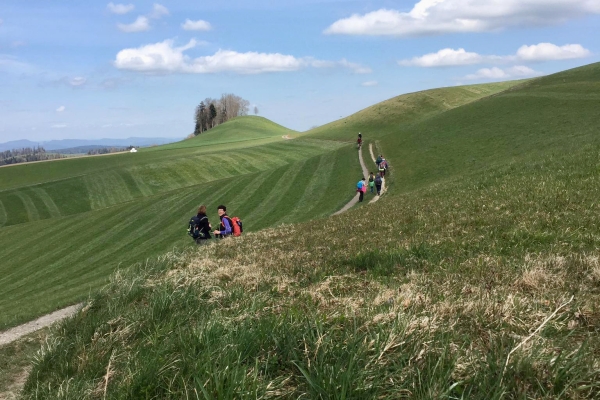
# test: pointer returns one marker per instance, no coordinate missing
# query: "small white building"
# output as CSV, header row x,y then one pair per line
x,y
133,150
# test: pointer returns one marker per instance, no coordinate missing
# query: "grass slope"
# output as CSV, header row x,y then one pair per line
x,y
241,129
55,262
138,177
422,295
389,116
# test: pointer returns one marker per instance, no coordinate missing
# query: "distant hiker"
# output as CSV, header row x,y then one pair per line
x,y
199,227
378,161
359,140
378,183
372,182
361,188
226,228
382,167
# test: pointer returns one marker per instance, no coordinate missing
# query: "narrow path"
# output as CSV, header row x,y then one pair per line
x,y
354,200
18,332
383,187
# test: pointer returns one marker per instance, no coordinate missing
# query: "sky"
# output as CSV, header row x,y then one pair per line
x,y
97,69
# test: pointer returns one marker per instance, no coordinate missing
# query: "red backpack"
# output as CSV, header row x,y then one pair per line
x,y
237,226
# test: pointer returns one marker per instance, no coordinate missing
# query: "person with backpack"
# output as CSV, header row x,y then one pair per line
x,y
378,184
372,182
226,228
378,161
199,227
361,188
359,141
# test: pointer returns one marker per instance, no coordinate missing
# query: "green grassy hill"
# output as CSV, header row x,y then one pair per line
x,y
241,129
490,227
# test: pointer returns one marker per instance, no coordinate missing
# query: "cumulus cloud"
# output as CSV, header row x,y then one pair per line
x,y
444,58
164,57
436,17
533,53
141,24
496,73
199,25
354,67
120,8
549,51
60,109
370,83
158,11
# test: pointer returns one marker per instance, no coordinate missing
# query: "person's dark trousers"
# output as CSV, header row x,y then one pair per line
x,y
362,194
372,189
378,190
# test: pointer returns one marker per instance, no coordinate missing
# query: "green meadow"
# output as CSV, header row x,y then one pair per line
x,y
477,276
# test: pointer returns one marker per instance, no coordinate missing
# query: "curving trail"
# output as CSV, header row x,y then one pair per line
x,y
18,332
354,200
383,187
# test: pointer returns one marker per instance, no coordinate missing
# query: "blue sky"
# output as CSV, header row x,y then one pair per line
x,y
95,69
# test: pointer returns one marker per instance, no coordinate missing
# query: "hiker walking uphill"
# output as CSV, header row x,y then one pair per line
x,y
372,182
378,184
199,227
359,141
382,167
361,188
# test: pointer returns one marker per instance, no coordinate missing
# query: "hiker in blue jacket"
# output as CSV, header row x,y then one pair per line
x,y
226,228
361,187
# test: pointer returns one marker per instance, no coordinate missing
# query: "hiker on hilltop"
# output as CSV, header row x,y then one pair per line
x,y
361,187
372,182
226,228
378,161
199,227
359,140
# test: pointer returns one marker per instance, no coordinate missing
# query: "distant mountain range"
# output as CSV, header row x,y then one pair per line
x,y
53,145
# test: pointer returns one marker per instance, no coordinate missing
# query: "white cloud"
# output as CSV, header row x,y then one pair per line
x,y
496,73
199,25
539,52
158,10
549,51
436,17
59,126
369,83
444,58
77,81
141,24
163,57
60,109
120,8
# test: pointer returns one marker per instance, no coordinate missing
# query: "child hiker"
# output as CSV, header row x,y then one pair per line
x,y
372,182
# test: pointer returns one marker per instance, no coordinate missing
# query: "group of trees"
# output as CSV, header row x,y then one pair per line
x,y
107,150
26,154
212,112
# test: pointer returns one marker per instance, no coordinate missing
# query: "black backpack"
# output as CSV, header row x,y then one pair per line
x,y
194,229
378,180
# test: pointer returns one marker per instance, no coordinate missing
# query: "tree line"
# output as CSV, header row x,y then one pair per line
x,y
26,154
212,112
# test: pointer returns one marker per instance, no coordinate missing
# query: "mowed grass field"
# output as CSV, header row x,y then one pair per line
x,y
477,277
56,261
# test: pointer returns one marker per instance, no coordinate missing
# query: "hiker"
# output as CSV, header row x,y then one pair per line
x,y
359,140
382,167
226,228
372,182
378,161
199,227
378,184
361,188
